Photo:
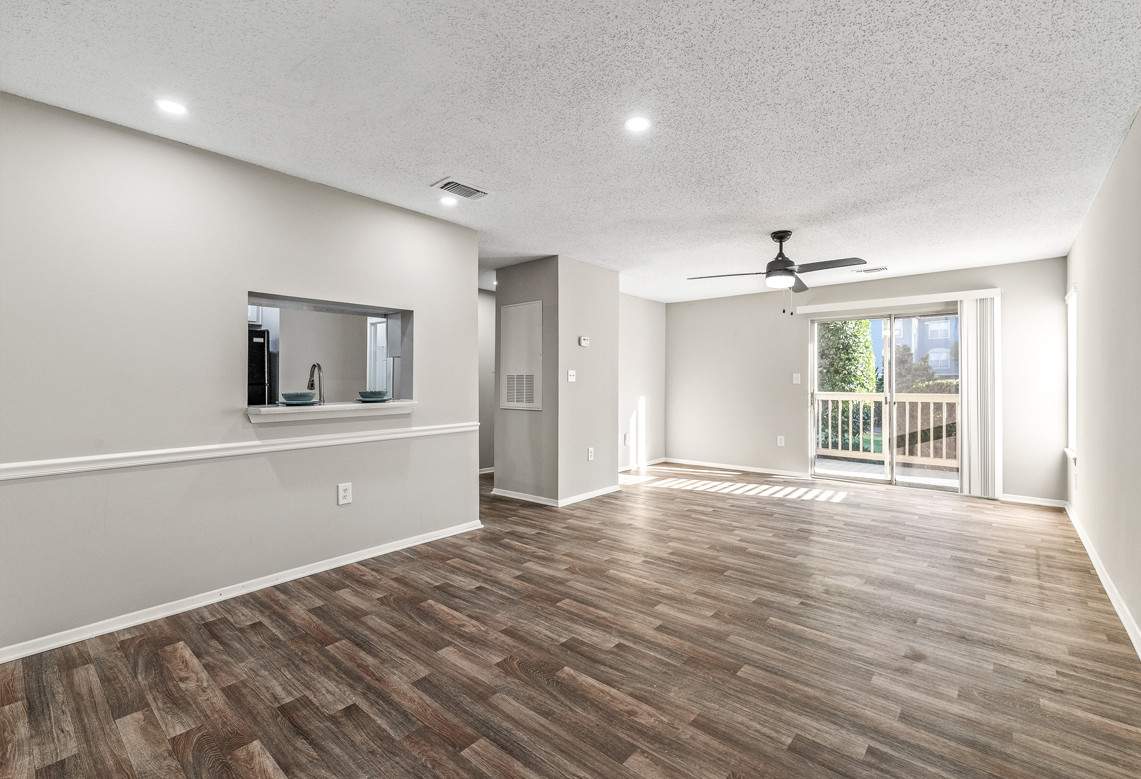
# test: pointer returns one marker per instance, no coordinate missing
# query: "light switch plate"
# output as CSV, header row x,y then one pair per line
x,y
571,377
590,454
584,340
796,378
344,493
780,440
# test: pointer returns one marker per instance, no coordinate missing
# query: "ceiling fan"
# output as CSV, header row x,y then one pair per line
x,y
783,273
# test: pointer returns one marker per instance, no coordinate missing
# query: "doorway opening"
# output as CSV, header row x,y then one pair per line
x,y
886,399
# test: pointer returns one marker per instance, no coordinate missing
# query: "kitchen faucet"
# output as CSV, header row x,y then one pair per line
x,y
315,368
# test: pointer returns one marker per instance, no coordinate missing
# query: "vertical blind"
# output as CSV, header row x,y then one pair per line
x,y
981,396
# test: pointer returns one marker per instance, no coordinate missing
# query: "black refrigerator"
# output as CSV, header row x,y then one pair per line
x,y
261,370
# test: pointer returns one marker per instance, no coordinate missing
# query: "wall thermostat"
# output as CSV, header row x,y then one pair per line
x,y
584,340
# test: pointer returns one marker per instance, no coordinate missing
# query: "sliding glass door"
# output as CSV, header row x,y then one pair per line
x,y
886,399
925,397
850,401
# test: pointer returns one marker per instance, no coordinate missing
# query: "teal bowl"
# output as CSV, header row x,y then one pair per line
x,y
298,397
373,394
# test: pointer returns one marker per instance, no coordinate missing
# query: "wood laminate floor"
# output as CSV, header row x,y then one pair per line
x,y
751,628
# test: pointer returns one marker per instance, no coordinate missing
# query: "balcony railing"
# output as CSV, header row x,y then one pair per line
x,y
851,425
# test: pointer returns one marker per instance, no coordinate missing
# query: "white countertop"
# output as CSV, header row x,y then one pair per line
x,y
352,409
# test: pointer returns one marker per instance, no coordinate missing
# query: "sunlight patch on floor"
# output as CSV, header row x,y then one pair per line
x,y
752,490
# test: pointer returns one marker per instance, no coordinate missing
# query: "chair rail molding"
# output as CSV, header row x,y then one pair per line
x,y
33,469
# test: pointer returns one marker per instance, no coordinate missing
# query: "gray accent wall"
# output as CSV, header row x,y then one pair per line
x,y
526,441
641,377
1105,268
488,400
543,453
126,261
730,392
588,407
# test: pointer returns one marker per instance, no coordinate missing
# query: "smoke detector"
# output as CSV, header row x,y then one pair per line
x,y
453,187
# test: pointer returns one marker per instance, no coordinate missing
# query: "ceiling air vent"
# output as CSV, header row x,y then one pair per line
x,y
877,269
459,190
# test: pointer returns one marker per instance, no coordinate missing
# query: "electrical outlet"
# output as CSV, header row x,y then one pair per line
x,y
780,440
344,493
590,454
796,378
571,376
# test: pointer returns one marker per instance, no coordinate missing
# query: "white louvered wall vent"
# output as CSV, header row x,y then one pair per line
x,y
520,389
521,356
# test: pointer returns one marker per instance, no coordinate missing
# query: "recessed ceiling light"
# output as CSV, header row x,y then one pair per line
x,y
638,124
172,107
448,200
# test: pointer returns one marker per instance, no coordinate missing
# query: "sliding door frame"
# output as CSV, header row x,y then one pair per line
x,y
889,418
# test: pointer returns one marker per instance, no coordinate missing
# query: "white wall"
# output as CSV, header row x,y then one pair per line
x,y
1105,267
106,237
641,381
488,400
730,393
588,407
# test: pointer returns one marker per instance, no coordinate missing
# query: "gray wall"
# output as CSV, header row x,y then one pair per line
x,y
338,341
527,442
104,234
730,393
641,374
729,390
588,408
488,400
1105,267
543,453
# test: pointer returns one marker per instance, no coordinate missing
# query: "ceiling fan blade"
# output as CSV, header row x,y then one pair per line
x,y
725,275
799,285
808,267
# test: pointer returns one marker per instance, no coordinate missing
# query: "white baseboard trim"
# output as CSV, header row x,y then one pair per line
x,y
1030,500
1119,605
486,470
649,464
745,468
64,637
588,495
544,501
33,469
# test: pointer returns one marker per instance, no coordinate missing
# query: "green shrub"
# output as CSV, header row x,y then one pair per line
x,y
846,363
846,360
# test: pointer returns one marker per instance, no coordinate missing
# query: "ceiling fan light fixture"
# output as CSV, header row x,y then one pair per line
x,y
782,272
780,279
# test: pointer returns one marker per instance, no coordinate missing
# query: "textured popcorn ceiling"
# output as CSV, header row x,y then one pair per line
x,y
921,136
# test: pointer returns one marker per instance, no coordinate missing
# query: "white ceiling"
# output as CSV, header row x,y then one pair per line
x,y
918,137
